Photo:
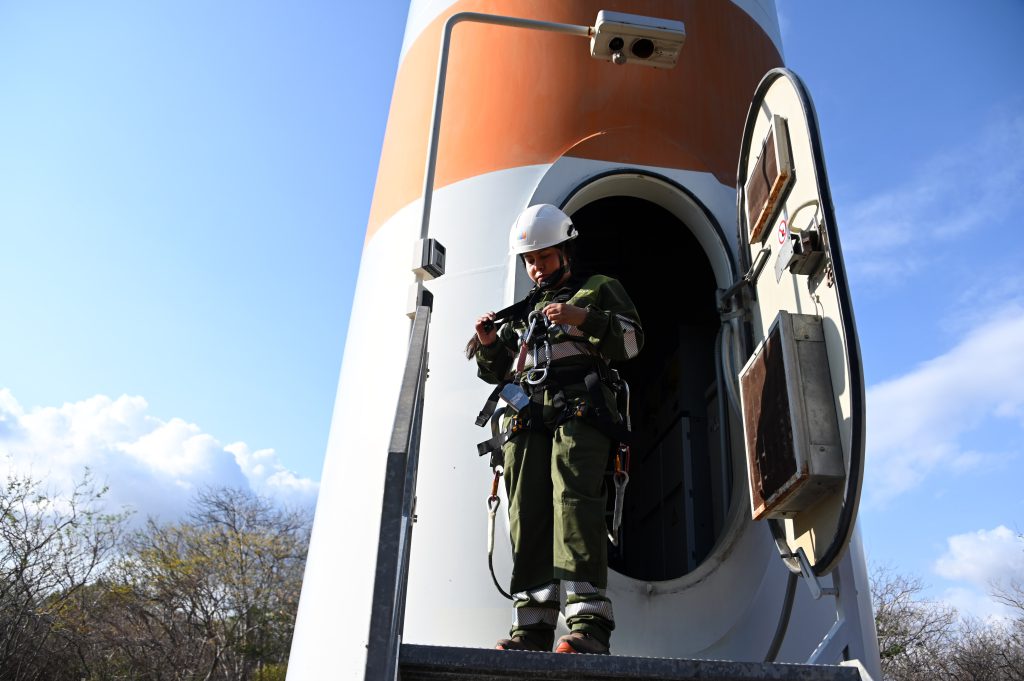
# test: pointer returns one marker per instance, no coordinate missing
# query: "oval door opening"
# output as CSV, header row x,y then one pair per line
x,y
680,479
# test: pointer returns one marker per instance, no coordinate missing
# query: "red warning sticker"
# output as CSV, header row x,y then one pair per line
x,y
783,231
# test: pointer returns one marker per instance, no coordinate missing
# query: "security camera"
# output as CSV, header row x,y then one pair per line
x,y
630,38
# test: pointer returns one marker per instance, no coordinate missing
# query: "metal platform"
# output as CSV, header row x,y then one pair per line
x,y
436,663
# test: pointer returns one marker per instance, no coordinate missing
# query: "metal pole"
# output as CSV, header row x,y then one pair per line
x,y
396,517
442,71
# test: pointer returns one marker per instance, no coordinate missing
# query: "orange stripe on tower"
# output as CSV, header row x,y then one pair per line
x,y
516,97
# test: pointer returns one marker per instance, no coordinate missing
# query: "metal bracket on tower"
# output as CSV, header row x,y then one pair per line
x,y
817,590
841,644
417,297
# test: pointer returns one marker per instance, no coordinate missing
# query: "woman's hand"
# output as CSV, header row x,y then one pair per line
x,y
489,335
564,313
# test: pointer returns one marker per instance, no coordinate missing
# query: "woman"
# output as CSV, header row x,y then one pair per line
x,y
557,446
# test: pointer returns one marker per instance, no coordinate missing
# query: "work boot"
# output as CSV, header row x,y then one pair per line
x,y
535,641
581,642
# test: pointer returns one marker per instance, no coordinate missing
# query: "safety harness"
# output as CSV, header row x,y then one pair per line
x,y
523,394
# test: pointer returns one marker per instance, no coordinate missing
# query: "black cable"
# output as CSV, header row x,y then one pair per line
x,y
490,565
783,625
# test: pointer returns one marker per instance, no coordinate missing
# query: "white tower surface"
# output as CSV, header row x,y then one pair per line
x,y
645,161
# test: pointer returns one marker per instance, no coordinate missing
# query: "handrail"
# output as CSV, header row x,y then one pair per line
x,y
442,76
396,517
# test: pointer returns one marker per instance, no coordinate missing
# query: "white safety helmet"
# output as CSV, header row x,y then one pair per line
x,y
539,226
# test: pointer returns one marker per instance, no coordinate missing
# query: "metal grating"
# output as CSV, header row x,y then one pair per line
x,y
790,422
768,424
436,663
770,177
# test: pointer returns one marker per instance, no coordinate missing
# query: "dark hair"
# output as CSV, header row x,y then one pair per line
x,y
569,252
472,345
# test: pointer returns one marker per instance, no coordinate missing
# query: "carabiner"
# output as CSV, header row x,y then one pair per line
x,y
621,479
531,322
536,376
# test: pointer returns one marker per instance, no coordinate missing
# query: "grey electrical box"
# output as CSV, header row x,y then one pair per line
x,y
790,424
633,39
801,253
428,259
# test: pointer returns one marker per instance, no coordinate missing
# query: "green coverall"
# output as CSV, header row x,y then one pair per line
x,y
554,472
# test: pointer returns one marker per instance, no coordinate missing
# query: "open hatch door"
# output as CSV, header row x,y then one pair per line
x,y
802,387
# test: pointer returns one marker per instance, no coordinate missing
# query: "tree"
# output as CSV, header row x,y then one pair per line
x,y
50,549
985,651
912,632
213,597
923,640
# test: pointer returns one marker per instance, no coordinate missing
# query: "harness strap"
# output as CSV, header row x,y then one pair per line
x,y
493,444
597,415
592,410
599,418
517,310
490,405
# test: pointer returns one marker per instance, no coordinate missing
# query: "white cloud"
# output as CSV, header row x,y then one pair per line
x,y
264,472
985,559
904,230
974,602
916,422
151,465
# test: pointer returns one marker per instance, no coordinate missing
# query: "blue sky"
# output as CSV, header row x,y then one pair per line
x,y
184,190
